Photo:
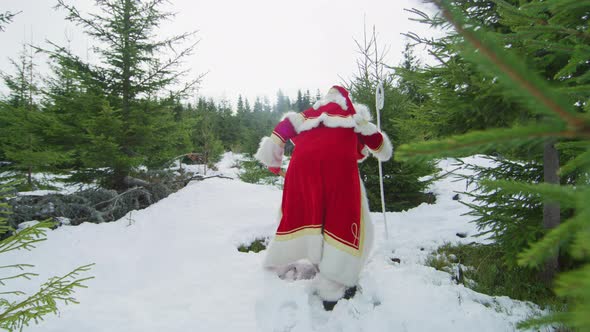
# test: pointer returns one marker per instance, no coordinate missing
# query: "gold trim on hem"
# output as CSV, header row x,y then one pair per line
x,y
302,231
340,246
344,242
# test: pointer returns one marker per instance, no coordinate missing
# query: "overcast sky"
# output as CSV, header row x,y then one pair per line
x,y
252,47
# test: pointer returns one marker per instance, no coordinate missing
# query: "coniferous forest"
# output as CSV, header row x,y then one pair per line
x,y
509,80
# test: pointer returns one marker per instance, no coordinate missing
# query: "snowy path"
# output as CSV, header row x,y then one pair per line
x,y
174,267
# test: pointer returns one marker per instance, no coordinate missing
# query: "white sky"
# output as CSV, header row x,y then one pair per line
x,y
253,47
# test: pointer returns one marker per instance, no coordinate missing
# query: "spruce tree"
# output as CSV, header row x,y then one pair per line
x,y
404,183
544,70
462,98
135,75
204,133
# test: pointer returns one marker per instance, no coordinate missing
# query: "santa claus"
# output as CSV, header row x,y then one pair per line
x,y
324,212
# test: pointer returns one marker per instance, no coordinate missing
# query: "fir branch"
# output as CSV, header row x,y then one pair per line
x,y
24,275
26,238
575,285
73,15
490,51
16,266
580,247
565,195
6,18
44,302
539,24
552,241
479,141
538,322
581,161
582,145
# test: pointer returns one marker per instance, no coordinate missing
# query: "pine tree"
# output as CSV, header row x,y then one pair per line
x,y
205,135
134,76
241,106
552,37
403,186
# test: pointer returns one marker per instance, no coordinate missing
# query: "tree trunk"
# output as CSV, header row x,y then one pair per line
x,y
30,178
551,210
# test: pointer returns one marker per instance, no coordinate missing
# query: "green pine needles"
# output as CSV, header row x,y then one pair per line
x,y
18,310
538,53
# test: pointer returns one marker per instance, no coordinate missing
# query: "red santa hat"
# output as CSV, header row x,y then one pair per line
x,y
344,93
339,95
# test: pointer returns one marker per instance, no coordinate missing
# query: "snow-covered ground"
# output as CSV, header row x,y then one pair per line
x,y
175,267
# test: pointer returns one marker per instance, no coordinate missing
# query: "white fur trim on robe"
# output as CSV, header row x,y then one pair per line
x,y
270,153
301,124
363,112
359,121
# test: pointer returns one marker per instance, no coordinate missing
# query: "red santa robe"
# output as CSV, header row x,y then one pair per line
x,y
324,211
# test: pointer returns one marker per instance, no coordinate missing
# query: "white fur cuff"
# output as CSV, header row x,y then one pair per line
x,y
384,152
269,153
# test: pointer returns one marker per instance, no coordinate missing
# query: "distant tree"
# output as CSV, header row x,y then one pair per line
x,y
241,107
307,100
299,105
302,102
283,104
258,106
247,107
266,107
205,134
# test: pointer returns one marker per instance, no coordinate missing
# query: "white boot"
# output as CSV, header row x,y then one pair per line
x,y
328,290
297,271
